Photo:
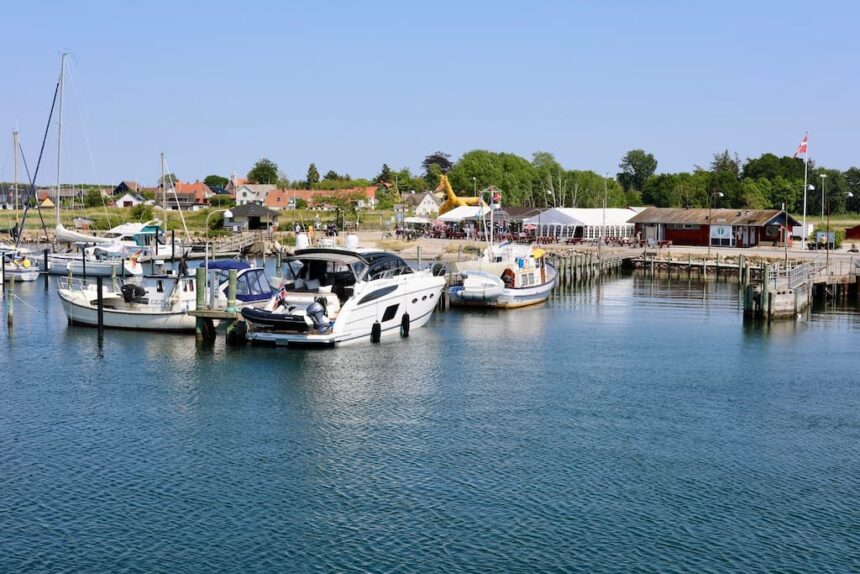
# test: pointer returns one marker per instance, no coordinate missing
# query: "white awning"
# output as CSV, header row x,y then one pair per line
x,y
463,213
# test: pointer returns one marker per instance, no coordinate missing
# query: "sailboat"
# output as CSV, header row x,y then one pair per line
x,y
94,256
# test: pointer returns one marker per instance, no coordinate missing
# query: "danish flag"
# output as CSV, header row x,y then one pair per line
x,y
801,149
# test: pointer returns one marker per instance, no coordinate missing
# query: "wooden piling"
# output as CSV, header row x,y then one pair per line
x,y
100,307
232,281
9,294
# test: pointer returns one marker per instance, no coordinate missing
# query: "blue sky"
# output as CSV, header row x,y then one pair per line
x,y
350,85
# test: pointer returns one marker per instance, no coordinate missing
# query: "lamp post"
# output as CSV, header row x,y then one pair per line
x,y
823,177
228,215
475,185
711,197
827,232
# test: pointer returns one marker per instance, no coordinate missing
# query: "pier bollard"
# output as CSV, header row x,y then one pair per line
x,y
232,280
100,307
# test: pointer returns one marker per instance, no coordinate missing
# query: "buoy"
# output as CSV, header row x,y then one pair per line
x,y
375,332
404,325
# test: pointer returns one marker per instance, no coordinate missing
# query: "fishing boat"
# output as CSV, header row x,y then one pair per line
x,y
159,302
507,276
334,296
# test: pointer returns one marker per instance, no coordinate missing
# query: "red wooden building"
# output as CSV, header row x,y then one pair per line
x,y
723,227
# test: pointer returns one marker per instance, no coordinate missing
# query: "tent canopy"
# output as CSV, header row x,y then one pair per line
x,y
417,220
464,212
581,217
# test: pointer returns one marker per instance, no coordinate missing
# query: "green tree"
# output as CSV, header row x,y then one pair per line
x,y
222,201
434,165
301,203
141,212
264,171
169,178
636,167
384,175
723,162
214,181
93,198
332,175
510,173
313,176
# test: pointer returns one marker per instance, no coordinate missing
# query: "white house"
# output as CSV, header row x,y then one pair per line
x,y
130,199
421,204
253,193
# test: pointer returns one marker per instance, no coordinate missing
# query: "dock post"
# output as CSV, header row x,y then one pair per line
x,y
45,266
3,273
718,267
278,263
122,268
172,245
100,306
10,300
231,290
84,266
689,264
113,277
419,256
742,272
765,291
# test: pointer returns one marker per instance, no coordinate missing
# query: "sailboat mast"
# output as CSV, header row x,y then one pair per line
x,y
15,171
60,133
163,194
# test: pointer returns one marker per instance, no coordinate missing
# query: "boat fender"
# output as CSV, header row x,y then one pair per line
x,y
375,332
508,278
404,325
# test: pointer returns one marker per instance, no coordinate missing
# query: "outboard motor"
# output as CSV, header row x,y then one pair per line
x,y
316,311
132,293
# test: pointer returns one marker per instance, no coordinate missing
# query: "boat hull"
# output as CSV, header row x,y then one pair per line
x,y
80,312
355,322
508,298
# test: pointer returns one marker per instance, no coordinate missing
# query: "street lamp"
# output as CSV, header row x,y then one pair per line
x,y
227,215
711,198
823,177
827,233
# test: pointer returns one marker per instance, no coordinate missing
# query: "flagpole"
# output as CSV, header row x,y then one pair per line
x,y
805,234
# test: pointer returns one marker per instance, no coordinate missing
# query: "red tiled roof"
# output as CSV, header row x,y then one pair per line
x,y
200,190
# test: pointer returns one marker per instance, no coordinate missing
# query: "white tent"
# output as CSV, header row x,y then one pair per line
x,y
416,221
463,213
563,222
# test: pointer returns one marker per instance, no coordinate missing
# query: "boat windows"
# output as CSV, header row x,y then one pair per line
x,y
385,267
390,312
374,295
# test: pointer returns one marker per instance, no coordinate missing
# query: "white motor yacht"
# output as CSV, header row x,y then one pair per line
x,y
332,296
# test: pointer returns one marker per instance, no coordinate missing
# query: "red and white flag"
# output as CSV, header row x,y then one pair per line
x,y
801,149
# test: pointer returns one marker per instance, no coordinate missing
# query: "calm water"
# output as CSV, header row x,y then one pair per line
x,y
634,426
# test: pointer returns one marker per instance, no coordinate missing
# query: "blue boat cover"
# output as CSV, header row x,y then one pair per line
x,y
226,265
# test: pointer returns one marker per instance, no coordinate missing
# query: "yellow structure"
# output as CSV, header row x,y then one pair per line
x,y
451,200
